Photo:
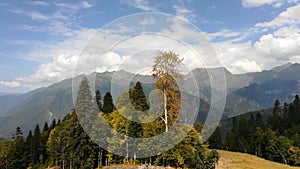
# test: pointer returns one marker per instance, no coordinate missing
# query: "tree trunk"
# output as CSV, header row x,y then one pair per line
x,y
134,157
166,111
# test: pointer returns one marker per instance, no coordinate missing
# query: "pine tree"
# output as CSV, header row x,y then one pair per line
x,y
295,112
215,140
61,145
98,100
36,140
286,110
46,127
85,105
251,123
135,130
17,133
87,111
230,140
53,124
234,124
259,120
44,138
19,156
58,122
108,105
138,97
31,147
276,108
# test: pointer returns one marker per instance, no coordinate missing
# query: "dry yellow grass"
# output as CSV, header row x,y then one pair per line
x,y
233,160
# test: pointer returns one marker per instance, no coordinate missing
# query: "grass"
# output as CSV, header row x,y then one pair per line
x,y
234,160
134,167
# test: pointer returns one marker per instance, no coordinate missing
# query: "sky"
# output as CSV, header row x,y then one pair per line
x,y
41,42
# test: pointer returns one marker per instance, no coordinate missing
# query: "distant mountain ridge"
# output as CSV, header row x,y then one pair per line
x,y
282,82
245,92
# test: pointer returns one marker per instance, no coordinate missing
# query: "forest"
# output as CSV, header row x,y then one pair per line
x,y
67,145
273,137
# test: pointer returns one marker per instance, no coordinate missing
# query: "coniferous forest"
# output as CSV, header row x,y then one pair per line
x,y
273,137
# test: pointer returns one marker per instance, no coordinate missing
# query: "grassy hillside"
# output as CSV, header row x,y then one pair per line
x,y
234,160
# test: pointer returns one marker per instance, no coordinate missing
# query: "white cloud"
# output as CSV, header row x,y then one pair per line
x,y
38,3
245,65
147,21
60,68
61,22
238,57
183,11
224,33
283,44
288,17
139,4
270,49
230,52
70,46
74,6
258,3
85,4
11,84
32,14
112,62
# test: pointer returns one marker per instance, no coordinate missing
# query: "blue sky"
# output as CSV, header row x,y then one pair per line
x,y
39,38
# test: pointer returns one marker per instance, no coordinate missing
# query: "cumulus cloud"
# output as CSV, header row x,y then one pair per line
x,y
139,4
230,52
183,11
245,65
11,84
258,3
271,49
283,44
135,53
288,17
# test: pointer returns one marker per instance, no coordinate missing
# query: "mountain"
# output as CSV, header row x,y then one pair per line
x,y
281,83
285,72
233,81
10,100
245,92
235,104
55,101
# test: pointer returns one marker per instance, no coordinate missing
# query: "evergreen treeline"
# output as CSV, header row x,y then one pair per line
x,y
65,144
275,138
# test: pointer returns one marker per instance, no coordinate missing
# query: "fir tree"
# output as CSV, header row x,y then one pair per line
x,y
46,127
98,100
138,97
108,105
36,141
53,124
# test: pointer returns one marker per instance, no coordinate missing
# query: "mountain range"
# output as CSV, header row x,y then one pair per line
x,y
245,92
